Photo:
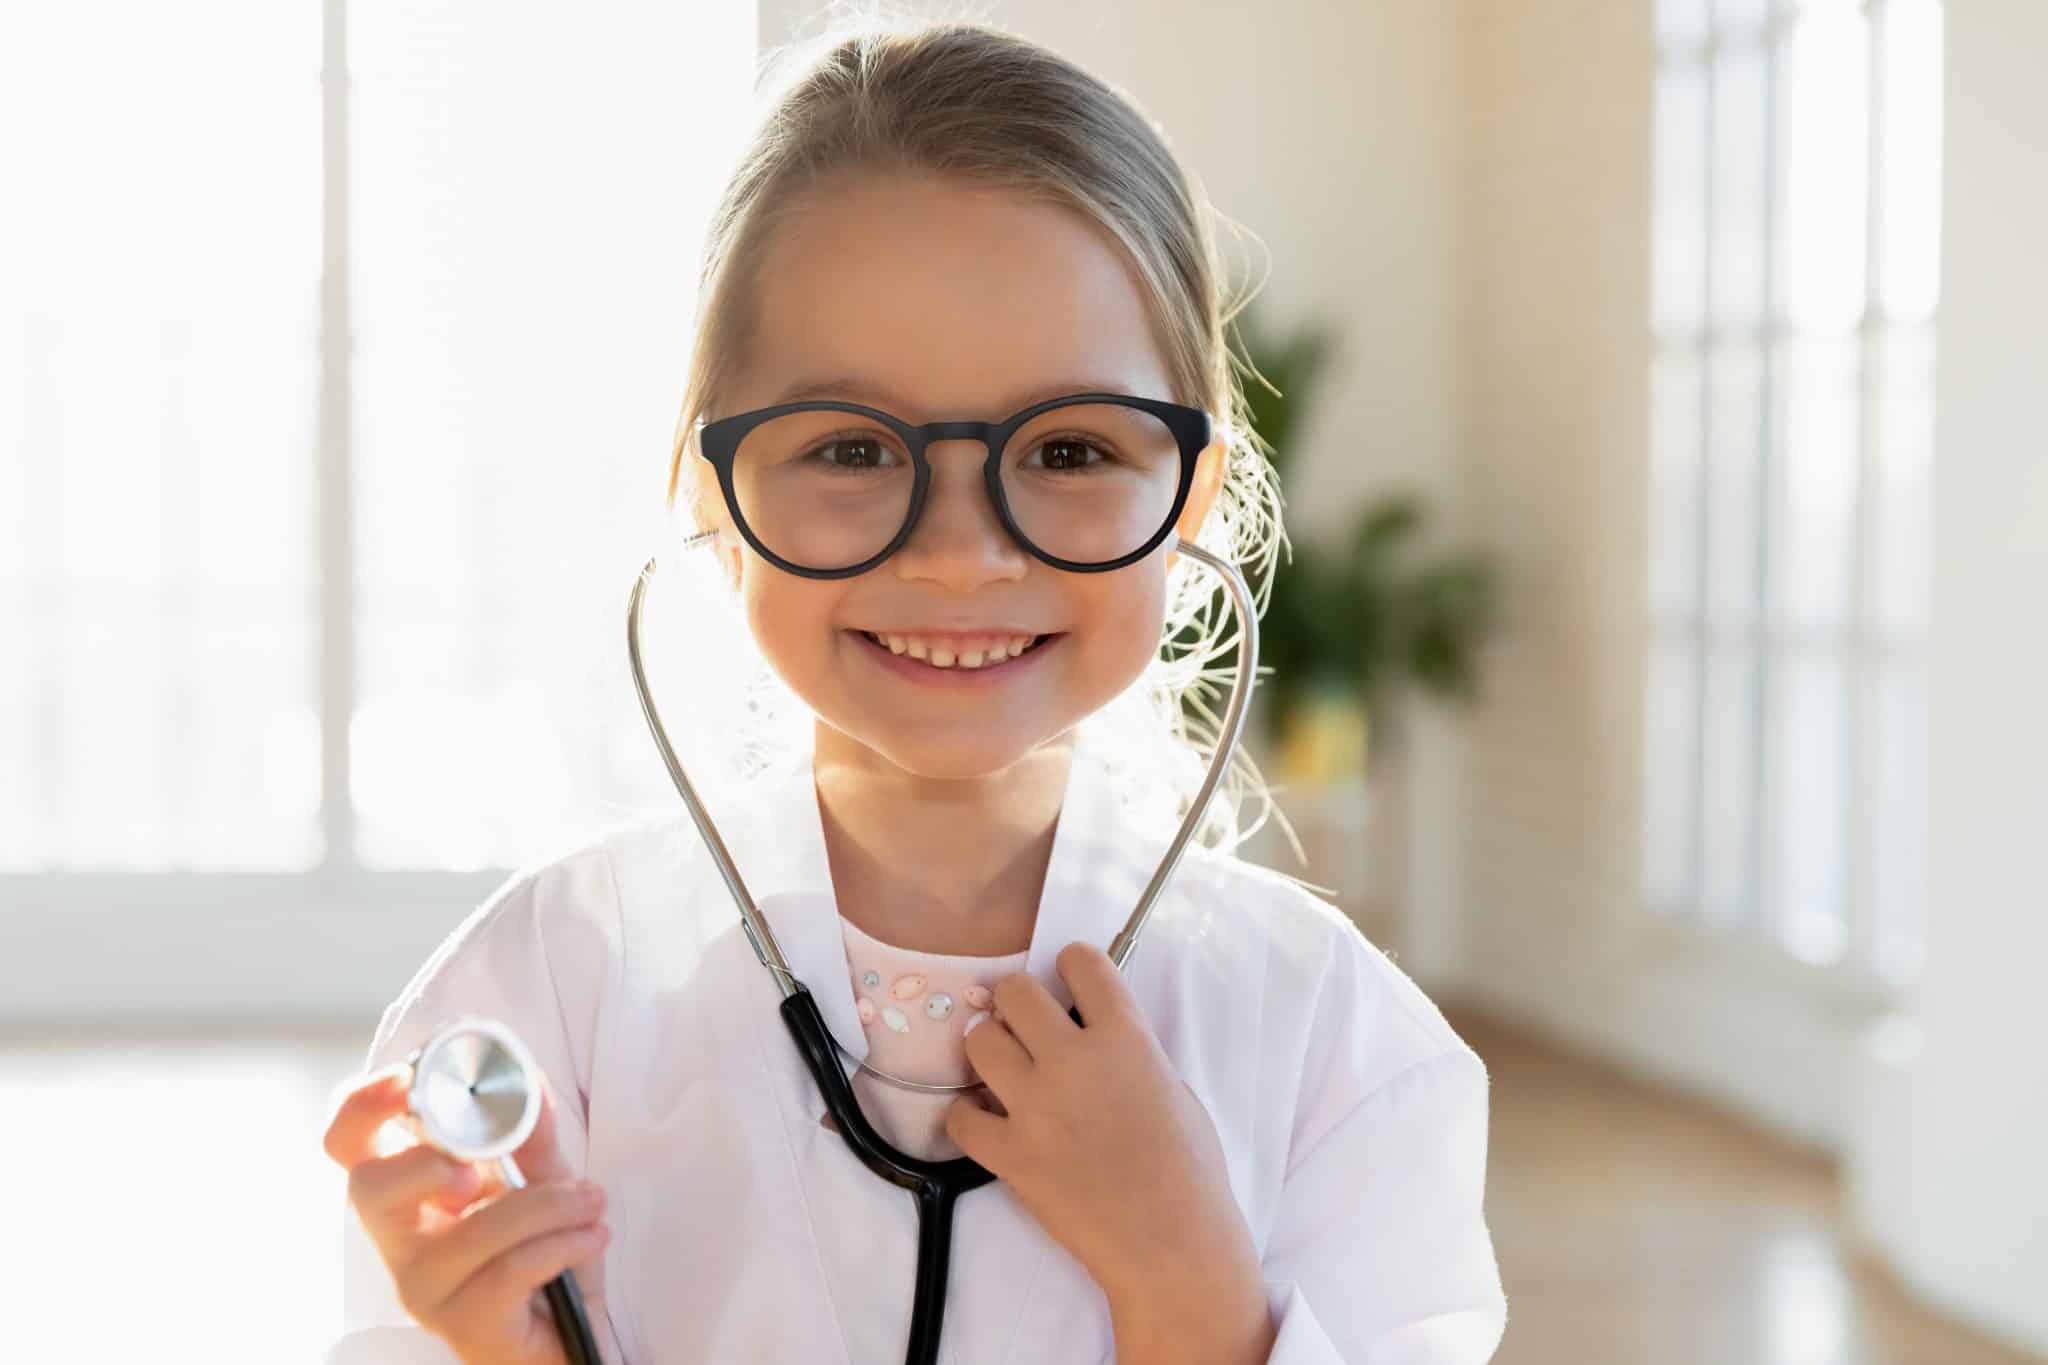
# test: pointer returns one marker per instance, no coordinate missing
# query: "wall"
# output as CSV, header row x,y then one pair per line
x,y
1553,144
1553,352
1952,1186
1944,1116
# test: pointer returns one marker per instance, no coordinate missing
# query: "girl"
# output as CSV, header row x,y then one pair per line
x,y
1265,1144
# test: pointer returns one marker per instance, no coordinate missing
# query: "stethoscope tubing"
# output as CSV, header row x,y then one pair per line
x,y
572,1323
936,1185
564,1298
769,952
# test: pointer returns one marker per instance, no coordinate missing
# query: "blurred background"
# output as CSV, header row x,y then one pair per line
x,y
1660,665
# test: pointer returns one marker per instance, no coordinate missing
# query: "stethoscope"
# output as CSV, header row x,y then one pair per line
x,y
476,1092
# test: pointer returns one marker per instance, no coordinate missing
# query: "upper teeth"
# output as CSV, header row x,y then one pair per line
x,y
957,653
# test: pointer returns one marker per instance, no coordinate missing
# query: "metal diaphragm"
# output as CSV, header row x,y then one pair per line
x,y
476,1093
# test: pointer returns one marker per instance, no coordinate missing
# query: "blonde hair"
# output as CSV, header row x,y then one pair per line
x,y
968,100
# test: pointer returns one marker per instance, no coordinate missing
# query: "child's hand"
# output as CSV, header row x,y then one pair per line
x,y
467,1253
1103,1142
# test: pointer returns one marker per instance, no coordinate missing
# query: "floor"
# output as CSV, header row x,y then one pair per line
x,y
1631,1226
184,1170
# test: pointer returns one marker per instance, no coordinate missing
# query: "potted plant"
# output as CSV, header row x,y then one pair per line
x,y
1350,622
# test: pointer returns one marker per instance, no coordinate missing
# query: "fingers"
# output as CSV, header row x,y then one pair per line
x,y
998,1058
387,1191
1098,988
351,1133
1041,1023
464,1250
473,1244
465,1185
977,1132
1036,1019
514,1275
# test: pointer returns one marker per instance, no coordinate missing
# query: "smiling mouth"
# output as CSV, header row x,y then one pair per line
x,y
947,661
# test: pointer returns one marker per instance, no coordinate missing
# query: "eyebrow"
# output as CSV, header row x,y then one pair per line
x,y
877,394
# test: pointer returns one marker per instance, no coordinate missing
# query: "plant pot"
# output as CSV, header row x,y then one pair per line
x,y
1323,738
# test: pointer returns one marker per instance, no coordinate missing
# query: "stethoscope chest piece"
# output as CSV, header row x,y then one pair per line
x,y
475,1091
476,1095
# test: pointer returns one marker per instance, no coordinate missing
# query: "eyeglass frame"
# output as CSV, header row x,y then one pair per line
x,y
719,442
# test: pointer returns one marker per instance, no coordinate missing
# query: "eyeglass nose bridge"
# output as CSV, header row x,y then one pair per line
x,y
991,435
985,432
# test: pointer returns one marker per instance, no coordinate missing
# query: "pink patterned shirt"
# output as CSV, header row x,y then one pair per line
x,y
917,1009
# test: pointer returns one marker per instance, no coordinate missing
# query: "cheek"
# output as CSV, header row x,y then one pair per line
x,y
789,618
1125,620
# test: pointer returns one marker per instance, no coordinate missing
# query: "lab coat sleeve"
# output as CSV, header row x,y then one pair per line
x,y
1379,1252
541,956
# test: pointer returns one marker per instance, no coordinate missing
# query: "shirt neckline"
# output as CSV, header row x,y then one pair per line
x,y
866,939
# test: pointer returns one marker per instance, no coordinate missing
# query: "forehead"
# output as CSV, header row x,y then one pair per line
x,y
941,300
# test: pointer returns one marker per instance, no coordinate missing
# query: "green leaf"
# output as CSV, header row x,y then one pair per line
x,y
1357,615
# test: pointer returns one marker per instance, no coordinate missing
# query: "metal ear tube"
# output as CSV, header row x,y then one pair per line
x,y
476,1095
935,1185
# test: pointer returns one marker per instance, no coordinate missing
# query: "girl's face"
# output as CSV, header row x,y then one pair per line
x,y
938,300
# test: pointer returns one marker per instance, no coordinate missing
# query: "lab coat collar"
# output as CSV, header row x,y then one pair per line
x,y
1091,883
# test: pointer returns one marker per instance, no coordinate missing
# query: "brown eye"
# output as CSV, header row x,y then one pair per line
x,y
1064,452
854,453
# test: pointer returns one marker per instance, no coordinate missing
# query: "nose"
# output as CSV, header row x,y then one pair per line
x,y
958,540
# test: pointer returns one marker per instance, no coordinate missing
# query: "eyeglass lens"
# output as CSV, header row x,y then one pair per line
x,y
828,489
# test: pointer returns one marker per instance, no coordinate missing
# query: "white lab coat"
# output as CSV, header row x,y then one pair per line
x,y
743,1230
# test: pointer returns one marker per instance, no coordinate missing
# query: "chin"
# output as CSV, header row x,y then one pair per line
x,y
933,756
961,752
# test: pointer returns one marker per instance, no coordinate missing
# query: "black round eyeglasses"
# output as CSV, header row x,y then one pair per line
x,y
827,489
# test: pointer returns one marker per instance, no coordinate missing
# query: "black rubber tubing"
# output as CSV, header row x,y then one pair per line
x,y
937,1185
572,1324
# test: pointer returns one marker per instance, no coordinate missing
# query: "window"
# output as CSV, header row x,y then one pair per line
x,y
349,363
1794,283
159,704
